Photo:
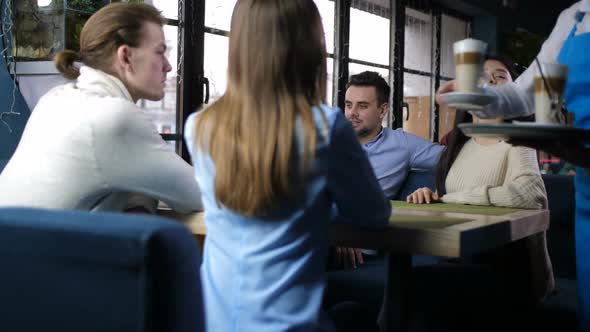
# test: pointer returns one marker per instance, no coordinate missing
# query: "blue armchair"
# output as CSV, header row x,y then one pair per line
x,y
76,271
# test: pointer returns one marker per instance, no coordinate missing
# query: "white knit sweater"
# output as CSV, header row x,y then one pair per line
x,y
87,146
505,175
497,174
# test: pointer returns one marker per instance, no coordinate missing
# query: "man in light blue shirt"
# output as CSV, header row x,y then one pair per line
x,y
392,153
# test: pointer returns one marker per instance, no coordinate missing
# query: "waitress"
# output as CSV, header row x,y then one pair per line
x,y
568,44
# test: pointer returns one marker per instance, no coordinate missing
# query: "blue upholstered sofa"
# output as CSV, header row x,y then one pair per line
x,y
76,271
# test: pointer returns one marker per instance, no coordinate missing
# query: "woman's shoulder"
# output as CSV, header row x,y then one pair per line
x,y
328,117
190,124
522,150
324,111
326,120
189,130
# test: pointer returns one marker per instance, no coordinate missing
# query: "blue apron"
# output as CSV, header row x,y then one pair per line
x,y
575,54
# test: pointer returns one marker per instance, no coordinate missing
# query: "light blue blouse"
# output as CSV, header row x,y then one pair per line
x,y
268,274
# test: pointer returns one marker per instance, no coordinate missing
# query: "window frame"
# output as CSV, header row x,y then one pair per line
x,y
340,55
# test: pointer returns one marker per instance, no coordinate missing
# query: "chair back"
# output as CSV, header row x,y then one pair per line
x,y
72,271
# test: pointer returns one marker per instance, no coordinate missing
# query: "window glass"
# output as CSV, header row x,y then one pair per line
x,y
218,13
417,112
418,36
452,30
373,48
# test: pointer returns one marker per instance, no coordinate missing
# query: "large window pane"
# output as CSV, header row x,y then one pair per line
x,y
169,8
418,113
369,35
418,45
218,13
216,57
326,8
452,30
330,80
355,68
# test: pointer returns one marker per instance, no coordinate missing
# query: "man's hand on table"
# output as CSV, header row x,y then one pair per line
x,y
423,195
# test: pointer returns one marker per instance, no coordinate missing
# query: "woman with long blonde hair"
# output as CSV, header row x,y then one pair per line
x,y
275,165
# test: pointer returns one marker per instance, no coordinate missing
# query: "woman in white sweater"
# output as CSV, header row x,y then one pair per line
x,y
87,145
487,171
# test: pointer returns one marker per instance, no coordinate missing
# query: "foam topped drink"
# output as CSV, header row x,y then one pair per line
x,y
469,57
549,89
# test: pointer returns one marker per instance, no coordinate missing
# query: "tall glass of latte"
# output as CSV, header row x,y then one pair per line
x,y
550,80
469,57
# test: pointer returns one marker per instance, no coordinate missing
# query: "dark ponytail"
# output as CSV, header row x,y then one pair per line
x,y
64,62
456,142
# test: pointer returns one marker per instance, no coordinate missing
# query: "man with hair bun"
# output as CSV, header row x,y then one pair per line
x,y
87,146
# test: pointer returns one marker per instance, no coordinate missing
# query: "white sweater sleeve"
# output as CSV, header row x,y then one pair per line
x,y
132,157
522,187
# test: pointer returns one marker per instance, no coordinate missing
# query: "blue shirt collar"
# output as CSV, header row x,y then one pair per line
x,y
374,140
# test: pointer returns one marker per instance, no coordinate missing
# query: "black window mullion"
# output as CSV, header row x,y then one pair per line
x,y
436,69
216,31
396,59
341,51
417,72
171,137
367,63
172,21
193,39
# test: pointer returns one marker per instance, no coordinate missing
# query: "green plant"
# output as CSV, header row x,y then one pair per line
x,y
40,32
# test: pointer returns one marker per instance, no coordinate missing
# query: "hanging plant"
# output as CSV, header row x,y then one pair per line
x,y
40,32
34,31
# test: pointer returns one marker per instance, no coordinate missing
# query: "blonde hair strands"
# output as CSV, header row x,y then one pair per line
x,y
276,74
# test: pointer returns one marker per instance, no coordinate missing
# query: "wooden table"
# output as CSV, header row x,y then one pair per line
x,y
446,230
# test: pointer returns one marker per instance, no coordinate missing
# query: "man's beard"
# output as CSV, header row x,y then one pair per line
x,y
364,132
